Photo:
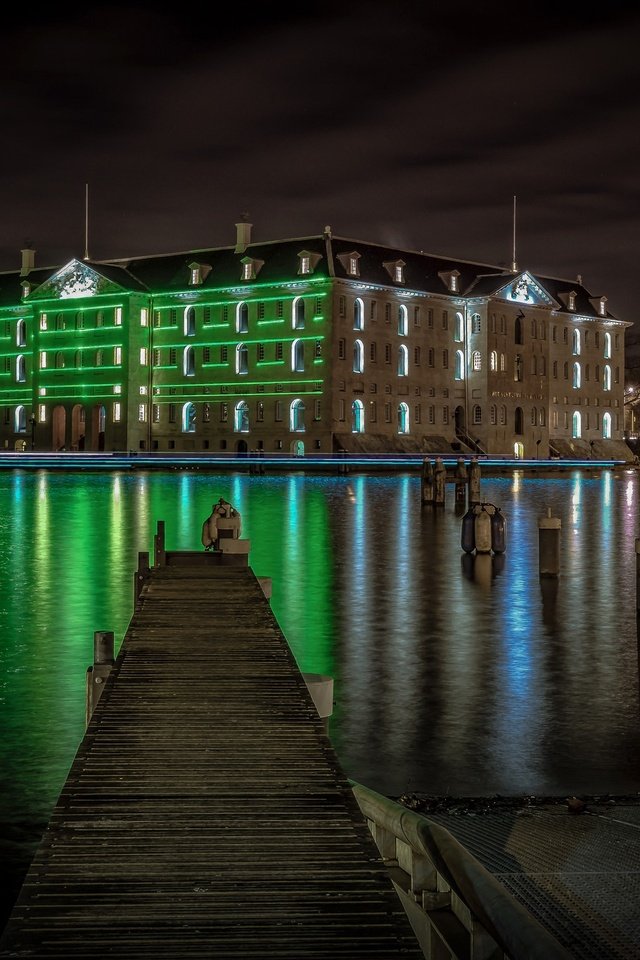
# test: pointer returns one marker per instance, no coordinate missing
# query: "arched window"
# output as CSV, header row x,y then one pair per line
x,y
20,420
241,417
21,333
577,376
518,422
459,365
534,416
403,360
357,416
493,414
189,362
542,419
403,418
518,330
296,416
576,425
189,418
607,346
477,414
503,363
59,321
242,318
297,356
503,414
606,426
59,360
403,321
21,374
493,361
458,329
358,314
190,322
576,343
242,358
358,357
297,313
476,323
606,377
476,360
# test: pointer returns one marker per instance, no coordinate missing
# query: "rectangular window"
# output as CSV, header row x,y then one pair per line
x,y
173,318
387,353
341,410
156,357
143,356
116,411
373,411
373,307
156,413
445,359
117,355
432,413
342,306
143,391
260,411
416,316
316,410
430,318
172,356
172,413
373,352
318,349
42,413
206,412
43,360
279,309
279,351
225,314
118,317
445,414
318,307
445,320
156,318
278,411
43,321
387,313
144,317
260,311
206,315
341,349
206,354
260,349
416,355
387,413
417,413
224,412
224,354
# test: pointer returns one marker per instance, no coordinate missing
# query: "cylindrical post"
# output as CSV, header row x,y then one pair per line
x,y
474,481
98,673
140,576
549,545
440,479
461,481
427,482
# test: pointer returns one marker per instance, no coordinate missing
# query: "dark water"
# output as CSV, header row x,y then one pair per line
x,y
453,674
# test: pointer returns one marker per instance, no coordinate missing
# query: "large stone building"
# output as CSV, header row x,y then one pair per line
x,y
302,345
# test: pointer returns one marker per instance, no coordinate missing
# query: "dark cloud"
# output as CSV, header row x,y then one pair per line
x,y
412,124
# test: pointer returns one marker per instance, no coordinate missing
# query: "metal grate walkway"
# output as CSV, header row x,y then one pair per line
x,y
206,814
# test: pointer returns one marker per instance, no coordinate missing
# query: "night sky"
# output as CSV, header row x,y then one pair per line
x,y
404,124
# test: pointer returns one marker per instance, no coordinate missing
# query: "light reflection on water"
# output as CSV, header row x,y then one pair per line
x,y
453,673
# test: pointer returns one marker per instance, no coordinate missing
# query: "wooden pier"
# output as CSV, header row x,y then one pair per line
x,y
206,813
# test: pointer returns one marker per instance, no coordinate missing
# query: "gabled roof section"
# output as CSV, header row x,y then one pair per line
x,y
78,279
521,288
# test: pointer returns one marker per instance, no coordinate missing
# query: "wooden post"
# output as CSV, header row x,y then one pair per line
x,y
159,552
474,482
440,478
461,481
140,576
549,545
97,674
427,489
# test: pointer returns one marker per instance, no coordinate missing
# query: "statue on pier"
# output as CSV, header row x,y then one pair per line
x,y
220,512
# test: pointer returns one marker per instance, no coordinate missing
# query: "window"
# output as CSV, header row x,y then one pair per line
x,y
576,343
297,356
403,360
445,320
342,346
358,314
416,356
358,359
518,367
398,273
242,358
477,414
224,412
431,357
297,313
43,321
241,417
476,323
459,365
445,359
43,360
353,265
577,376
279,351
224,354
20,369
493,361
260,351
518,330
430,318
143,356
357,416
155,412
305,263
60,325
606,426
503,414
60,359
296,416
77,359
189,362
190,322
403,418
318,349
606,377
117,319
117,356
189,418
21,333
142,412
607,346
242,318
387,353
476,360
576,425
493,414
458,329
144,317
403,321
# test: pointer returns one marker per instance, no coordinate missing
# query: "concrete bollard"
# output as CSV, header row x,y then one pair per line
x,y
159,552
440,480
427,488
474,481
549,545
461,480
103,661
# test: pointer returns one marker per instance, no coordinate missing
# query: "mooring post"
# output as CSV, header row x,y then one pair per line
x,y
97,674
549,545
427,492
140,576
159,553
461,481
474,481
440,480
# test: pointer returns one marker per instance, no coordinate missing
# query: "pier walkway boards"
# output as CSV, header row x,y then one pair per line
x,y
206,813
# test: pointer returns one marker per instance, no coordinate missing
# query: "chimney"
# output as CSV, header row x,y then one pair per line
x,y
243,234
28,261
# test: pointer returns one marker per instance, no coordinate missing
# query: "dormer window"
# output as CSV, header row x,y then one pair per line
x,y
572,300
305,265
195,276
450,279
307,262
350,262
603,306
251,268
26,288
353,266
395,269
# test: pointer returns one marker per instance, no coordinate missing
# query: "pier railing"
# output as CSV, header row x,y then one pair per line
x,y
457,908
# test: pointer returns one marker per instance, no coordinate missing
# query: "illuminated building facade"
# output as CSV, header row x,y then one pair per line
x,y
313,344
